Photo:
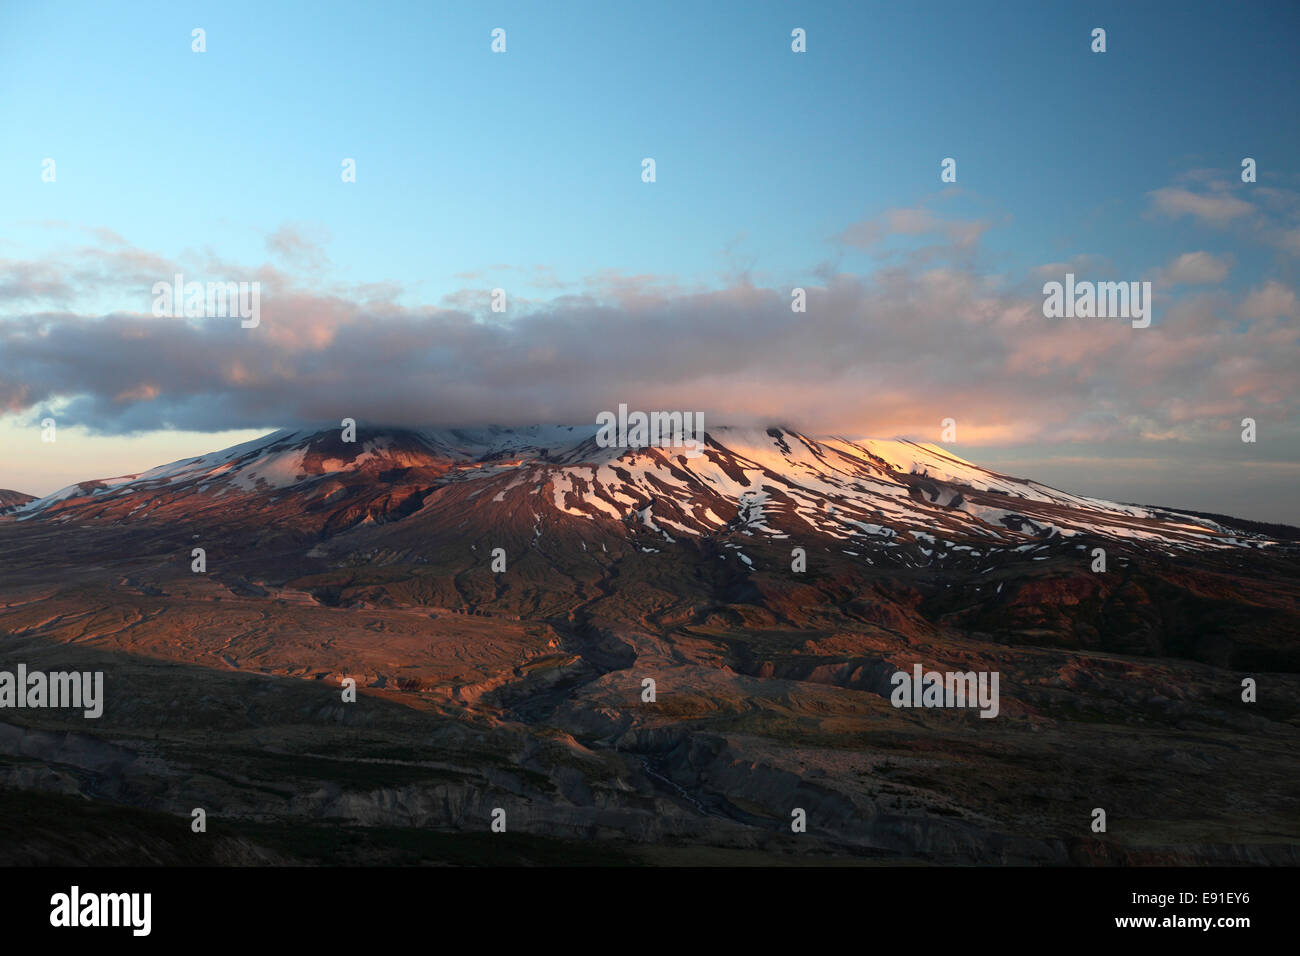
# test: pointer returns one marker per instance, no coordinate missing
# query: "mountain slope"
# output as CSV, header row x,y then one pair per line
x,y
501,595
765,528
12,500
881,496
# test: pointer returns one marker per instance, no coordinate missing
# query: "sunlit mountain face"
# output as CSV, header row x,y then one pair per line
x,y
773,484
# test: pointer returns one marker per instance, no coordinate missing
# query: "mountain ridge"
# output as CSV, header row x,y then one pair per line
x,y
774,482
12,500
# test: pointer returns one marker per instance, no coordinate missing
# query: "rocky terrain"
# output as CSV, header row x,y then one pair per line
x,y
501,596
11,500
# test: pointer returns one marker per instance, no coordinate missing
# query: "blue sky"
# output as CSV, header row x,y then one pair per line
x,y
522,170
468,159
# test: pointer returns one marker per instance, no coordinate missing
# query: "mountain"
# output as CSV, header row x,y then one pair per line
x,y
11,500
899,501
501,596
893,534
897,536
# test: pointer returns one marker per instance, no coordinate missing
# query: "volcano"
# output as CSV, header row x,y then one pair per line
x,y
501,596
915,502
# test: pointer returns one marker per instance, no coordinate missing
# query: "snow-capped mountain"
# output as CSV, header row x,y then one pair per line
x,y
517,586
12,500
873,496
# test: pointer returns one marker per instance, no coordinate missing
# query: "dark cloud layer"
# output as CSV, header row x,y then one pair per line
x,y
891,354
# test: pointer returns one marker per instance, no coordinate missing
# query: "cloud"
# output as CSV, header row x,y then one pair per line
x,y
913,221
33,282
1215,210
892,353
1270,218
1269,301
1084,264
1195,268
1289,241
290,246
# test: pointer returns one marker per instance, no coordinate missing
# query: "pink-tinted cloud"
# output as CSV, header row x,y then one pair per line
x,y
1215,210
1195,268
893,353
